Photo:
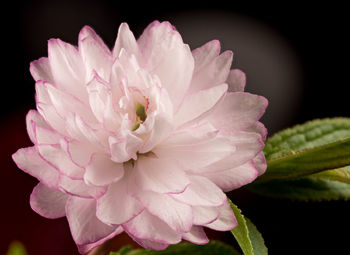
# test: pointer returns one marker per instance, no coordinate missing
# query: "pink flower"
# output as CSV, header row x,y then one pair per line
x,y
143,139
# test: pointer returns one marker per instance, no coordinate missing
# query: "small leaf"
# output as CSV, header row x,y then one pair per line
x,y
308,188
211,248
16,248
309,148
247,235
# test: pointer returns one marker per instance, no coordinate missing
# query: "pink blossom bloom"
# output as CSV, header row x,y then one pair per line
x,y
143,139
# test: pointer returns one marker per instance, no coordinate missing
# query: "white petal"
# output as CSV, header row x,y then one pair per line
x,y
227,220
204,214
201,192
176,214
29,160
247,145
33,117
234,178
116,206
56,157
125,40
164,54
197,155
79,188
237,111
41,70
199,103
211,74
67,68
85,227
95,54
196,235
47,202
159,175
236,80
149,227
102,170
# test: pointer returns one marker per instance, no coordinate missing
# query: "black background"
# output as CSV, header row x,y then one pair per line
x,y
317,35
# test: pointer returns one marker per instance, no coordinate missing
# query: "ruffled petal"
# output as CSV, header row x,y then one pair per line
x,y
234,178
237,111
196,235
56,157
29,160
95,54
227,220
85,248
205,54
147,244
236,80
149,227
67,68
199,103
33,117
176,214
165,54
125,40
47,202
102,171
204,214
153,174
201,192
41,70
79,188
85,227
197,155
116,206
247,145
260,163
210,72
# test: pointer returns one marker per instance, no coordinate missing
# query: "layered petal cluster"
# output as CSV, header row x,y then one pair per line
x,y
145,138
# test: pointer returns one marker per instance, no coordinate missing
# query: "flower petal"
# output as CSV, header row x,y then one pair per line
x,y
29,160
95,54
234,178
41,70
197,155
85,227
149,227
125,40
67,68
116,206
85,248
236,80
47,202
79,188
211,73
237,111
247,145
227,220
196,235
199,103
102,171
260,163
201,192
205,54
153,174
204,214
176,214
56,157
147,244
34,117
165,54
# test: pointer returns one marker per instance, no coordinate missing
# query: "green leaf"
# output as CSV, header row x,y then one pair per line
x,y
340,175
247,235
309,188
309,148
212,248
16,248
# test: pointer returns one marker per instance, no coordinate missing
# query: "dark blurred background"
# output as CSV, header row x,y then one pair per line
x,y
294,54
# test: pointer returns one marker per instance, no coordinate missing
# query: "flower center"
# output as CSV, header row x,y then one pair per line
x,y
140,115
